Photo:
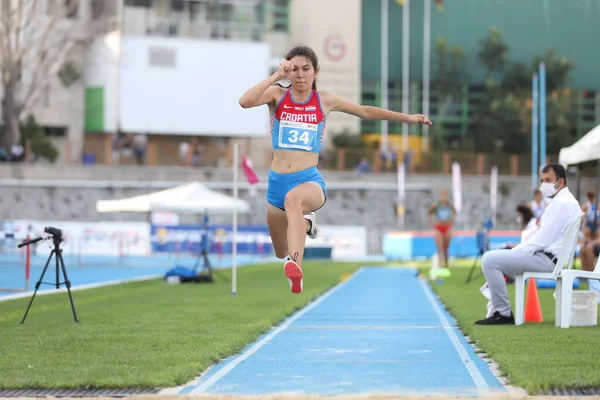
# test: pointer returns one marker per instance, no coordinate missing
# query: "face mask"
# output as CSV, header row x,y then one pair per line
x,y
548,189
519,219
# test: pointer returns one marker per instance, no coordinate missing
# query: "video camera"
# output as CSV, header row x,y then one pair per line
x,y
53,231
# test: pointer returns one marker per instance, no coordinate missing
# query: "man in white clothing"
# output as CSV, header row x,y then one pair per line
x,y
540,252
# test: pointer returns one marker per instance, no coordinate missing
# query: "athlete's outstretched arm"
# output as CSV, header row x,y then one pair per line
x,y
264,92
336,103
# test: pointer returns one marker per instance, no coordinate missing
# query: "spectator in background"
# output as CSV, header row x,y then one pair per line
x,y
385,156
538,204
33,233
198,153
592,217
127,146
363,166
408,155
184,150
321,162
3,155
118,140
17,153
590,246
589,255
394,157
526,221
140,142
525,217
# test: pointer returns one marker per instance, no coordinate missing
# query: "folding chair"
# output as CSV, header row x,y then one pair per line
x,y
564,292
565,257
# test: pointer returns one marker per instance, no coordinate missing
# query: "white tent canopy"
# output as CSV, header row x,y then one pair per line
x,y
191,198
585,149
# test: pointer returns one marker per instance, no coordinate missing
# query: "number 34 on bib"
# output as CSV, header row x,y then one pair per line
x,y
297,135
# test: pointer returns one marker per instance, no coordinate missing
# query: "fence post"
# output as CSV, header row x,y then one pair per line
x,y
376,160
27,150
464,115
597,108
69,152
341,159
152,152
514,165
480,168
447,162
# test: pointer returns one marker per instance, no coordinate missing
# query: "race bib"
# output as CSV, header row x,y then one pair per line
x,y
444,214
297,135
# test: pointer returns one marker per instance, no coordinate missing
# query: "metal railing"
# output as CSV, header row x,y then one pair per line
x,y
434,162
276,15
454,117
214,30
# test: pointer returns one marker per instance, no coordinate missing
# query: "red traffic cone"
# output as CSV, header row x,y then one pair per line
x,y
533,311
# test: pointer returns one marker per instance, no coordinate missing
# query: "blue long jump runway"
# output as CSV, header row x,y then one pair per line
x,y
380,332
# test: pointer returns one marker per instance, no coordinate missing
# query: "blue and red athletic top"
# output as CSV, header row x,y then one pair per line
x,y
298,126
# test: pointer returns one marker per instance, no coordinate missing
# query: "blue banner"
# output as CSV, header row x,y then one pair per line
x,y
193,239
405,246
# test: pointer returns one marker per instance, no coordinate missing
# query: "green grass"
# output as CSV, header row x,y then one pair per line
x,y
533,356
147,334
151,334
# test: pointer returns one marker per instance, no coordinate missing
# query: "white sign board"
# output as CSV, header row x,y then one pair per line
x,y
191,87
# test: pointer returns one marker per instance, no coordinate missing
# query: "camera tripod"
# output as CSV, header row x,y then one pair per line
x,y
60,265
483,244
206,274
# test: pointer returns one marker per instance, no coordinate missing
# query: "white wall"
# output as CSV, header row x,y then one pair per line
x,y
102,70
198,94
336,38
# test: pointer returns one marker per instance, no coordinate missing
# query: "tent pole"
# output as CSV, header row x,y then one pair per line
x,y
578,189
597,190
234,238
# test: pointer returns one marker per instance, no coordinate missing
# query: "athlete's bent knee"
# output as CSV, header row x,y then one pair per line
x,y
292,201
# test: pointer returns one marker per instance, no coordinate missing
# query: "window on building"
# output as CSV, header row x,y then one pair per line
x,y
71,8
69,74
276,15
139,3
196,11
56,131
177,5
46,96
50,9
97,8
220,12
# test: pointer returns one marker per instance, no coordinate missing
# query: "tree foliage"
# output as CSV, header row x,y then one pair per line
x,y
503,119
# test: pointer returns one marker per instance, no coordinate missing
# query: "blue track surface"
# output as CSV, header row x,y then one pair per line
x,y
380,332
98,269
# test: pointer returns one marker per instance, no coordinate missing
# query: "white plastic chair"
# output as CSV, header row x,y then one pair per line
x,y
565,256
564,292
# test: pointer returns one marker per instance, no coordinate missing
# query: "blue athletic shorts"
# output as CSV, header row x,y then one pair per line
x,y
281,184
592,226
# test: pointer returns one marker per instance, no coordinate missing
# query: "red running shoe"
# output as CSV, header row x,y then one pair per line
x,y
294,275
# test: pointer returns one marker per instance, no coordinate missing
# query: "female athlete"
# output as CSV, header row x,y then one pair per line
x,y
441,217
296,188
